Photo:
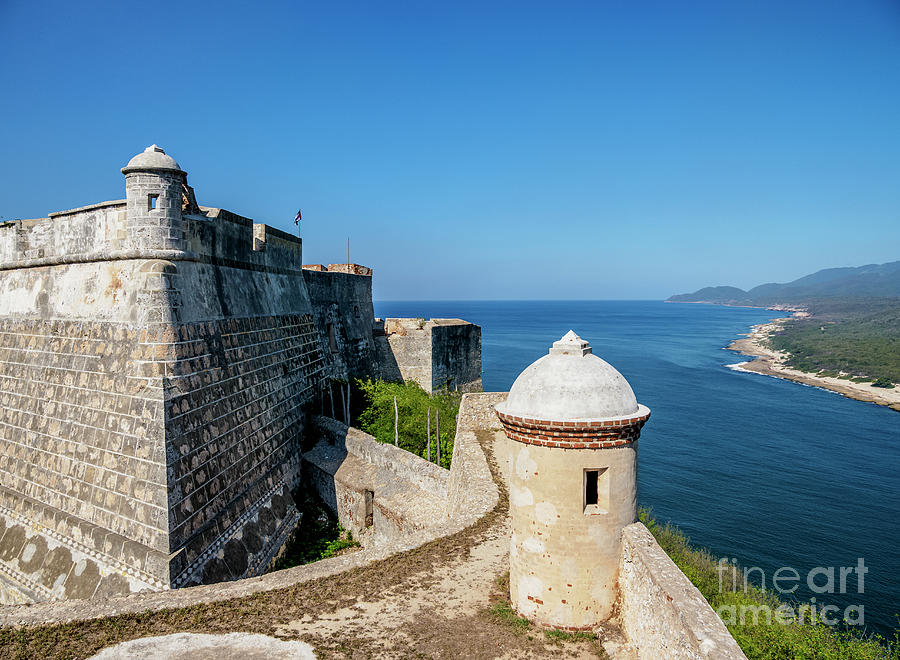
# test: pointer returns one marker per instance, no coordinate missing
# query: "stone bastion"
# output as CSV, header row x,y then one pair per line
x,y
159,363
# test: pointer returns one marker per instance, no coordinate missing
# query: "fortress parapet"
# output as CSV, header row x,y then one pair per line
x,y
575,424
158,219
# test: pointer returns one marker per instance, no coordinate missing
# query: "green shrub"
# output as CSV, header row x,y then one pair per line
x,y
413,403
883,382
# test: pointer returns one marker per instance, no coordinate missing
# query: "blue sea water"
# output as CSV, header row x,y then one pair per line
x,y
767,471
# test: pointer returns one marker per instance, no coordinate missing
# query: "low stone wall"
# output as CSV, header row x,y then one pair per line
x,y
379,492
661,613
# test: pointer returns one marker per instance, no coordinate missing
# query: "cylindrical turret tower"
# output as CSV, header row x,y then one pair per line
x,y
574,422
154,185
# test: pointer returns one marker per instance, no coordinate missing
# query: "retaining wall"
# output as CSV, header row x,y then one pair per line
x,y
379,492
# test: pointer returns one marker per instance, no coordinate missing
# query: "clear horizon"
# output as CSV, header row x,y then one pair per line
x,y
515,151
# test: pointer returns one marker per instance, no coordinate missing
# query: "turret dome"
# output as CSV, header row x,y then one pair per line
x,y
152,158
569,384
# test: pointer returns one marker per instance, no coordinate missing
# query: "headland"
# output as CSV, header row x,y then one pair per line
x,y
770,362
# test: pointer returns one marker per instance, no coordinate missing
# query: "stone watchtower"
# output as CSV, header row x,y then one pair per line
x,y
154,187
574,422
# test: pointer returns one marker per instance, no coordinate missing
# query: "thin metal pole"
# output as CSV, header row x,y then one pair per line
x,y
343,406
396,424
331,397
348,402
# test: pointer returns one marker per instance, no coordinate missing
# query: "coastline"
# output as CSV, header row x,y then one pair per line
x,y
771,363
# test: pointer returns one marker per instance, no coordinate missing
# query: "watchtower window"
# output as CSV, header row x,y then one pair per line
x,y
596,491
332,340
151,202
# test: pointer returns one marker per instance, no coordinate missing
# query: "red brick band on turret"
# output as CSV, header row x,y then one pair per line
x,y
573,435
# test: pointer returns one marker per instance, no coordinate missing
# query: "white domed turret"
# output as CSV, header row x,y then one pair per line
x,y
570,383
154,187
152,158
575,423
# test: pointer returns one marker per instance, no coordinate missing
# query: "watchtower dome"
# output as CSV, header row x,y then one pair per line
x,y
154,187
575,423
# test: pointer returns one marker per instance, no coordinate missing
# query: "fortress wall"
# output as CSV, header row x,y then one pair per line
x,y
234,417
344,301
149,406
436,353
661,613
408,351
82,452
245,360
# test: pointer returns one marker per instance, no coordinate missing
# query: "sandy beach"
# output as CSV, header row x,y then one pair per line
x,y
771,363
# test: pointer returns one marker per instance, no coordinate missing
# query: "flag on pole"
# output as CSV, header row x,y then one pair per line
x,y
297,218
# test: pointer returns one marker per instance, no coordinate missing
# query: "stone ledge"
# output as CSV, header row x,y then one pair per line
x,y
89,207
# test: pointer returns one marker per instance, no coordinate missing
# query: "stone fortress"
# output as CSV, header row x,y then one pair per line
x,y
158,364
170,373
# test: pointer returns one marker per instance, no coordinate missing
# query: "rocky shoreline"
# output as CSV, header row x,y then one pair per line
x,y
771,363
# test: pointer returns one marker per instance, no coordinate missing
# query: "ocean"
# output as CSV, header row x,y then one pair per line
x,y
774,474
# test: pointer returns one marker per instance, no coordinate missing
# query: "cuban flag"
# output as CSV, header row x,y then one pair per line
x,y
297,218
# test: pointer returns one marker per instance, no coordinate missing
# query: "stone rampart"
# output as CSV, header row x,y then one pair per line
x,y
342,309
88,231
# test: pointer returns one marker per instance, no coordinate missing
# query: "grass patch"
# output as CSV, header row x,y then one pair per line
x,y
503,613
762,639
563,636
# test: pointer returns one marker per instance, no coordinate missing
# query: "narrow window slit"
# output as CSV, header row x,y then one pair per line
x,y
370,508
596,491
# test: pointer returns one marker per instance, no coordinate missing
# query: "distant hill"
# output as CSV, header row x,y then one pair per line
x,y
872,281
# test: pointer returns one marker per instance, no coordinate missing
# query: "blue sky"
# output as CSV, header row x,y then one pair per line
x,y
483,150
